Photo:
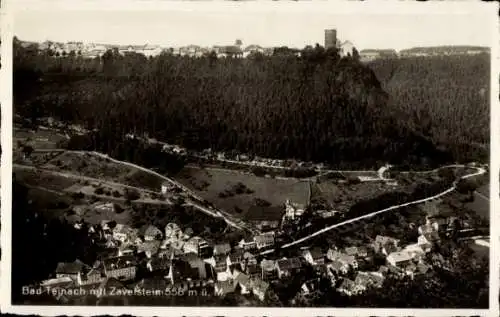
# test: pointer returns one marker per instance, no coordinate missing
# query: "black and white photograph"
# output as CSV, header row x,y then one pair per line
x,y
251,156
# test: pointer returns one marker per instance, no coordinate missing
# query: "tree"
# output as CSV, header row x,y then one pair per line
x,y
132,194
355,54
27,150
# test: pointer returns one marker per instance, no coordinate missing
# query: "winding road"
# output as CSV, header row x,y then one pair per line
x,y
239,224
479,171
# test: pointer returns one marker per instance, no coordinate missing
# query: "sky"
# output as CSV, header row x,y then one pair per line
x,y
173,28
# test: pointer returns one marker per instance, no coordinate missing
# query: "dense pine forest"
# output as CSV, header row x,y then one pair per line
x,y
445,98
316,107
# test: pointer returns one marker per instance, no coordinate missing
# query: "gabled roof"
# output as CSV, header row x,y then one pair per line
x,y
119,262
225,287
264,238
400,256
289,264
160,263
252,268
236,255
243,279
222,248
267,265
347,284
70,268
152,283
385,239
259,285
253,47
351,251
152,231
149,246
316,253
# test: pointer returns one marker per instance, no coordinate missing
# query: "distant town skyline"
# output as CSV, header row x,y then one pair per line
x,y
174,28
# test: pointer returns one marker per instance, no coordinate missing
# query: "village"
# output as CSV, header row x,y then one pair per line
x,y
173,260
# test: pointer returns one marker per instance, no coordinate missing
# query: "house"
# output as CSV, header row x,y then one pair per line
x,y
149,248
222,288
196,245
63,282
177,245
346,49
399,259
110,207
364,280
253,270
222,248
126,249
152,233
348,287
314,256
259,288
268,270
72,270
424,244
230,51
294,210
428,227
167,187
383,270
310,287
173,231
358,252
429,231
415,250
385,245
243,283
219,267
196,263
337,268
247,244
79,273
336,256
122,268
288,267
235,258
264,240
252,49
120,232
159,265
169,252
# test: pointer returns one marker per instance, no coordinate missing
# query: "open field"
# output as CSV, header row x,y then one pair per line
x,y
43,179
101,168
40,139
342,196
481,203
229,189
87,165
142,179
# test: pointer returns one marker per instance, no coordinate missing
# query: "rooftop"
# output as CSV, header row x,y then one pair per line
x,y
119,262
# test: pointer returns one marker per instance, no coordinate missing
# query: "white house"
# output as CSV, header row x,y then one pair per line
x,y
400,258
346,48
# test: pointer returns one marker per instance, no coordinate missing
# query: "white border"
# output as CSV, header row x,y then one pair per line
x,y
490,10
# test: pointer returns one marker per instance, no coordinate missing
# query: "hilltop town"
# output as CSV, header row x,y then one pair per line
x,y
345,48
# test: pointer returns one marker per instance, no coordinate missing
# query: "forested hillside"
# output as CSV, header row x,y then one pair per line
x,y
316,107
445,98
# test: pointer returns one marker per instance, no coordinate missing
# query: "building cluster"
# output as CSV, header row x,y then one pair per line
x,y
183,260
368,55
177,256
93,50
